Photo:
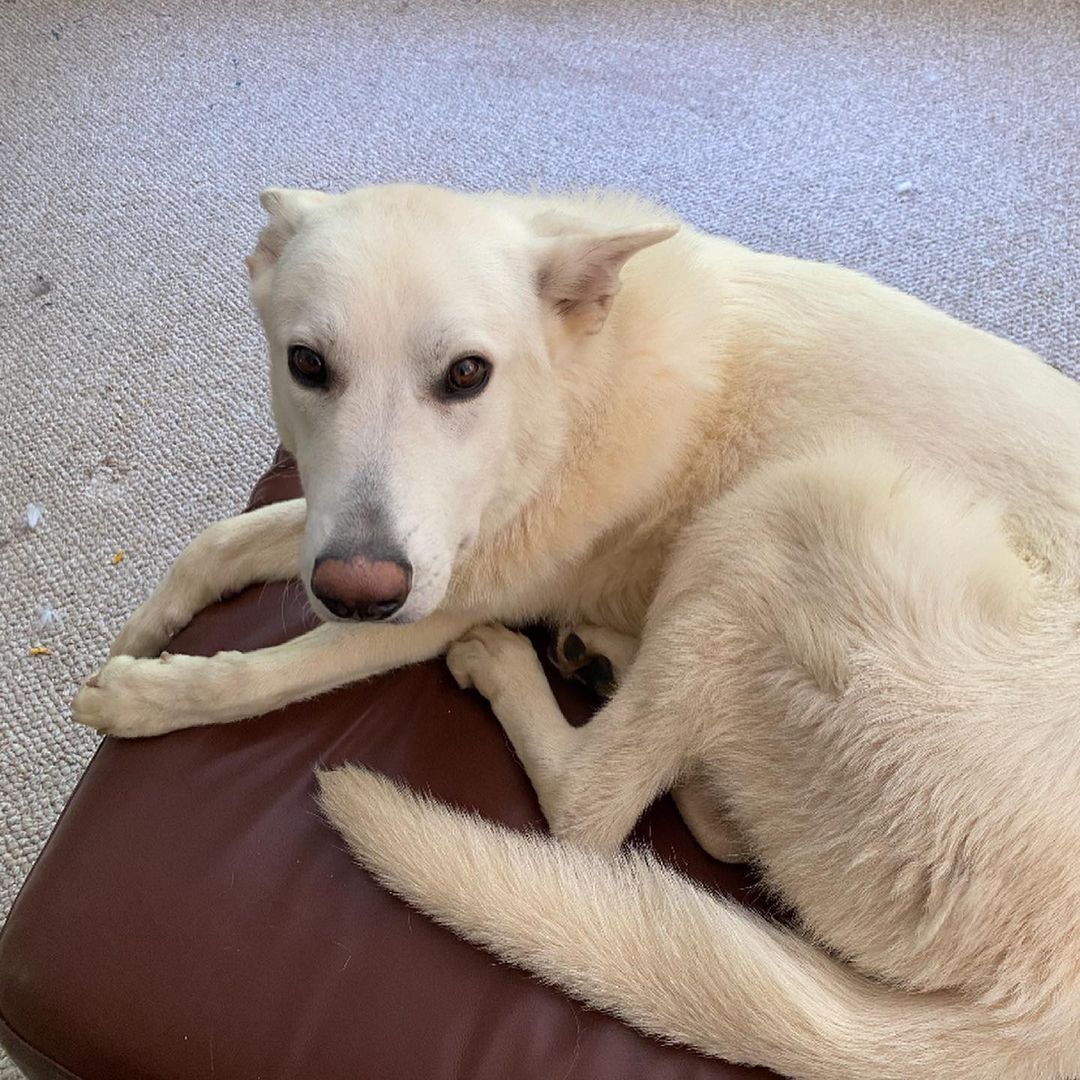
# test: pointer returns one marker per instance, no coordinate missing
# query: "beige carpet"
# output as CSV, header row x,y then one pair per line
x,y
934,145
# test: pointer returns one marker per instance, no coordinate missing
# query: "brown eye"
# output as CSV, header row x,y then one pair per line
x,y
467,376
306,366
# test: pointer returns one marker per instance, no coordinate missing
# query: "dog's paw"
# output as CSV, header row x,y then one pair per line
x,y
491,659
593,656
132,697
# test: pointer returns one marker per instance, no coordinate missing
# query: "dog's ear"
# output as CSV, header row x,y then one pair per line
x,y
287,208
578,274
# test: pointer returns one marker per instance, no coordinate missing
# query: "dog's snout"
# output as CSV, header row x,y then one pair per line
x,y
359,587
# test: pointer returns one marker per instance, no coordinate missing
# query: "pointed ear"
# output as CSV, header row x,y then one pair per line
x,y
579,271
287,208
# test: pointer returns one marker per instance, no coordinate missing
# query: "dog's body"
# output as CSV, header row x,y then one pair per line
x,y
845,530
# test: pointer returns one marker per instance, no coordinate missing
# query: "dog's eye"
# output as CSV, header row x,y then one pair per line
x,y
467,376
306,366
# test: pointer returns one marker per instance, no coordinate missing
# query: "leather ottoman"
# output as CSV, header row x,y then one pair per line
x,y
193,916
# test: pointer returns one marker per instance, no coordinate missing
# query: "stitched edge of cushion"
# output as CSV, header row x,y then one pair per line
x,y
35,1063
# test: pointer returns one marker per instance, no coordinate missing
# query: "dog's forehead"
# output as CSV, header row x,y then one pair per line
x,y
417,230
379,261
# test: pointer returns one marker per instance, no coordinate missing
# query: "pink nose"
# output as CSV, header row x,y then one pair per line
x,y
360,588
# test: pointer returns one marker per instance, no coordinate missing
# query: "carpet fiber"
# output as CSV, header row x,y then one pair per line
x,y
933,145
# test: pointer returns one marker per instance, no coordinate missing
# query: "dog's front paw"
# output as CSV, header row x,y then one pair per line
x,y
129,697
492,659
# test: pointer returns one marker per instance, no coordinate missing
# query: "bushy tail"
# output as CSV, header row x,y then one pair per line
x,y
631,937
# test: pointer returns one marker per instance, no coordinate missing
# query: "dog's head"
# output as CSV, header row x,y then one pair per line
x,y
419,344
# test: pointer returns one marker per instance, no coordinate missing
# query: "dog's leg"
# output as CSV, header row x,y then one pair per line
x,y
708,823
566,764
593,782
131,697
263,545
593,655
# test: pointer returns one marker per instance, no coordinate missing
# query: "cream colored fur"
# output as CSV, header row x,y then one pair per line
x,y
843,531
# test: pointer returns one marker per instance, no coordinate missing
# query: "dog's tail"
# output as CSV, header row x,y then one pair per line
x,y
631,937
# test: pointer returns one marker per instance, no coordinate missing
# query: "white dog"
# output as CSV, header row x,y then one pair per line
x,y
829,540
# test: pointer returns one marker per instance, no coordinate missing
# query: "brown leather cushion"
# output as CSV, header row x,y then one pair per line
x,y
192,915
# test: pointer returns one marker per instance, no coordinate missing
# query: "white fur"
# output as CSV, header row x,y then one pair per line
x,y
845,529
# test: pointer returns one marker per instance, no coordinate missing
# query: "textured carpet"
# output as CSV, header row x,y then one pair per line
x,y
933,145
